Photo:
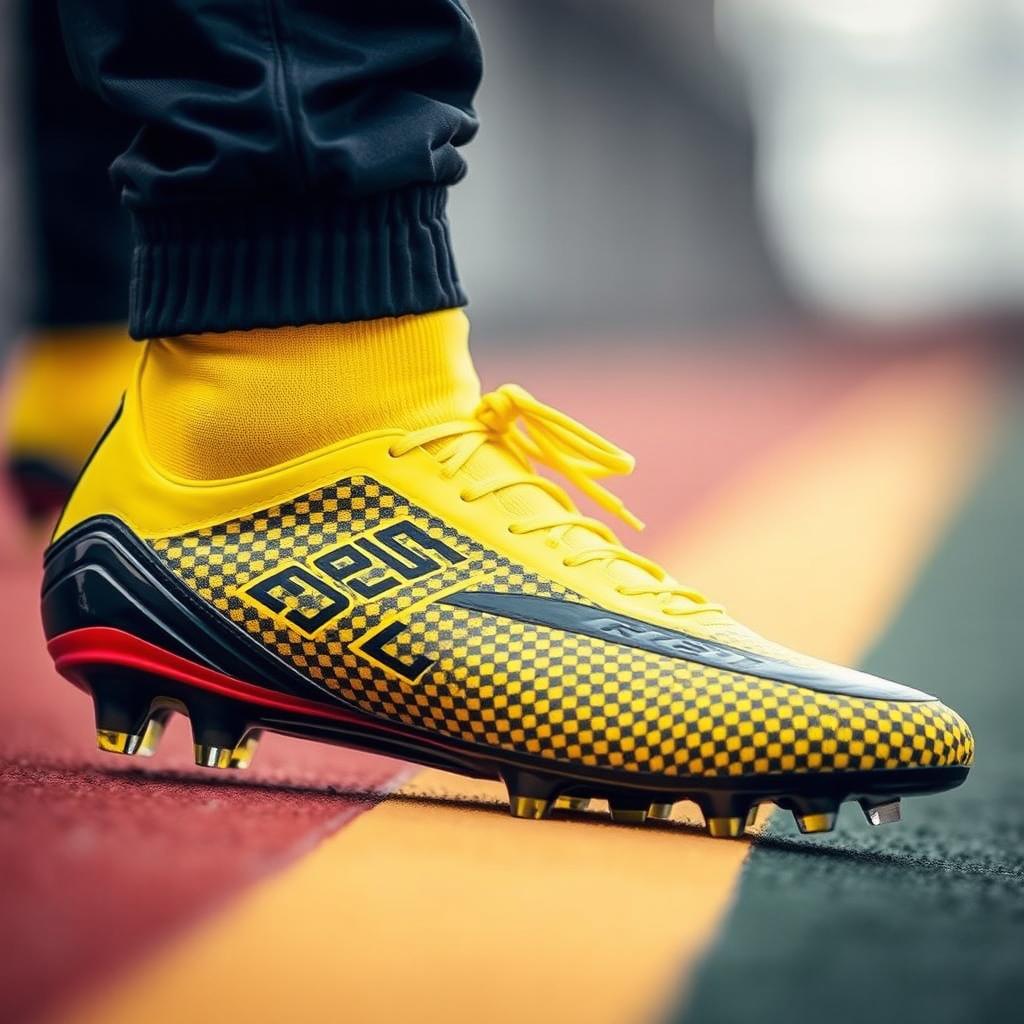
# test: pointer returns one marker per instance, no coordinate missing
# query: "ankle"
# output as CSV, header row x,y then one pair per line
x,y
221,405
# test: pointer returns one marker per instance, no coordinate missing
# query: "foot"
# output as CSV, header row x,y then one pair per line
x,y
64,390
425,595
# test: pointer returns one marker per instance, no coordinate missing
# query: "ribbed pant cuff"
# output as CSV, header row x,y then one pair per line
x,y
236,267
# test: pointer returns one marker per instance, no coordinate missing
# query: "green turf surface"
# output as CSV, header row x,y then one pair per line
x,y
924,920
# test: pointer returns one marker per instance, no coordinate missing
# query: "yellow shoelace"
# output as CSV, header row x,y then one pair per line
x,y
537,433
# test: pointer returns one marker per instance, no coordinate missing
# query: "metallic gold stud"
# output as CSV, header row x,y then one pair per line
x,y
213,757
242,755
577,804
820,821
151,737
115,742
660,812
882,814
725,828
528,807
628,815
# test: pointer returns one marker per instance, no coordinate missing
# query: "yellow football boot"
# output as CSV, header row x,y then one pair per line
x,y
65,388
426,595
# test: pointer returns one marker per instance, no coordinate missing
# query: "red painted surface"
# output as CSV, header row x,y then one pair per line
x,y
101,856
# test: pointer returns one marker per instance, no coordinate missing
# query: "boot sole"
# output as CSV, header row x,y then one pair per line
x,y
136,686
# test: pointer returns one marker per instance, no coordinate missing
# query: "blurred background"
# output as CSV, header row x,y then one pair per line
x,y
775,248
698,166
694,167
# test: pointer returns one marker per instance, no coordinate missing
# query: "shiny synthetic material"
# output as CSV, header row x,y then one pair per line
x,y
293,158
339,565
221,405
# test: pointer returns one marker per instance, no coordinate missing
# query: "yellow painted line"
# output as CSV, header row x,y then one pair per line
x,y
449,910
818,543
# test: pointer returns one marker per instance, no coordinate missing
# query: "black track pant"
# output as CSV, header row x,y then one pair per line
x,y
290,158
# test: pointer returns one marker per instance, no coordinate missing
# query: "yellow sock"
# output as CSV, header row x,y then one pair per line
x,y
66,387
222,405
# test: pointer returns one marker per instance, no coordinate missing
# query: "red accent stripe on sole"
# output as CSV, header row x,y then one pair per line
x,y
103,645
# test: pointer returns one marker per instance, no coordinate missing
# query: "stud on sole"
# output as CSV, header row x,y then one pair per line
x,y
725,828
242,755
881,813
220,734
628,815
123,715
576,804
114,741
818,821
154,733
529,795
528,807
213,757
725,814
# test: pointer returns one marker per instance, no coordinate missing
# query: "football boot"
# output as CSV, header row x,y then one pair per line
x,y
430,596
65,387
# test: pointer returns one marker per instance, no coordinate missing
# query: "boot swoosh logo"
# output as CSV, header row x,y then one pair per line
x,y
586,620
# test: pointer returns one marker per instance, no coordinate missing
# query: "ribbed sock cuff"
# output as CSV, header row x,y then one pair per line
x,y
236,267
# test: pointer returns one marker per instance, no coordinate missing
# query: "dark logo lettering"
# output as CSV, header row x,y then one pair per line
x,y
300,598
309,597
